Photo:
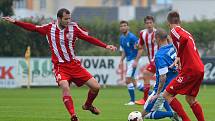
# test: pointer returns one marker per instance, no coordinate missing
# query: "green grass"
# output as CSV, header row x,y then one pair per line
x,y
45,104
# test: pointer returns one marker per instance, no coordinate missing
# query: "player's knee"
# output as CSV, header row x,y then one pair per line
x,y
166,95
128,81
146,76
190,100
96,88
66,88
66,91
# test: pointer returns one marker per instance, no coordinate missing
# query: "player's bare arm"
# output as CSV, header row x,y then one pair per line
x,y
176,63
111,47
139,54
122,59
161,83
160,86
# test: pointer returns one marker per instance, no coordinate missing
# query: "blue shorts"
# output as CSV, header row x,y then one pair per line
x,y
131,72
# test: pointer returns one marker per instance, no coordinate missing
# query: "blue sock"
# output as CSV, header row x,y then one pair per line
x,y
150,92
131,91
160,114
140,86
167,106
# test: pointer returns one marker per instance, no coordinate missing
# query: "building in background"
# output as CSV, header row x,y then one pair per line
x,y
109,10
195,9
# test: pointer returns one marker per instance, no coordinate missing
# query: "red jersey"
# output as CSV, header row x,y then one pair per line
x,y
186,50
62,42
148,39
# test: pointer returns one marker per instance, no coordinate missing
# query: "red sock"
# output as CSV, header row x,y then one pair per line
x,y
69,105
197,110
146,91
177,107
91,97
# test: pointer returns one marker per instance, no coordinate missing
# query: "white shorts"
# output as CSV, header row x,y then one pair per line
x,y
154,106
131,72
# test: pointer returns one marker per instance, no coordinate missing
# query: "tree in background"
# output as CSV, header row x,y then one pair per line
x,y
6,7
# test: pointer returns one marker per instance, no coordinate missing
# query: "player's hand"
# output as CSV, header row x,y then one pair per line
x,y
111,47
154,98
120,64
134,65
9,19
176,63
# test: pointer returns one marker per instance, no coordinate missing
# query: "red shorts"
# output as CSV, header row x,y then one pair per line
x,y
72,72
186,84
151,67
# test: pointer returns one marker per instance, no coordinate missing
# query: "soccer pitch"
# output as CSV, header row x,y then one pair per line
x,y
45,104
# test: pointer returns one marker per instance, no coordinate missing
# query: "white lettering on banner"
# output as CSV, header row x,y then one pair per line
x,y
209,71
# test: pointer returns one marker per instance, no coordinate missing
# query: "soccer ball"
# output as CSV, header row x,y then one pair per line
x,y
135,116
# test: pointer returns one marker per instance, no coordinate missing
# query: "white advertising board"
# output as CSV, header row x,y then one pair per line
x,y
14,71
8,73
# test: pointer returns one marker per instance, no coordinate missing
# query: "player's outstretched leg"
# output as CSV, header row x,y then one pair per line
x,y
196,108
176,106
67,99
92,94
152,111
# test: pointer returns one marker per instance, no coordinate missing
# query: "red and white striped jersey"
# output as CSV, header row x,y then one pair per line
x,y
148,39
62,42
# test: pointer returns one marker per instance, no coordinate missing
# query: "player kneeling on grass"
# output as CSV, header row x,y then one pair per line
x,y
164,57
61,36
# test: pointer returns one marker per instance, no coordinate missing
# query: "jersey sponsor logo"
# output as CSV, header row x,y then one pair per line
x,y
180,79
69,35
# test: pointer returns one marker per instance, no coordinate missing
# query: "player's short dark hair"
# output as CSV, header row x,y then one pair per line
x,y
149,18
161,33
123,22
61,11
173,17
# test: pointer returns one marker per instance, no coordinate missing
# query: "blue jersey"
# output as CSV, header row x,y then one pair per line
x,y
127,43
165,57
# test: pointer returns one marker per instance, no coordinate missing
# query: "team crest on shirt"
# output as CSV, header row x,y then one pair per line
x,y
69,35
